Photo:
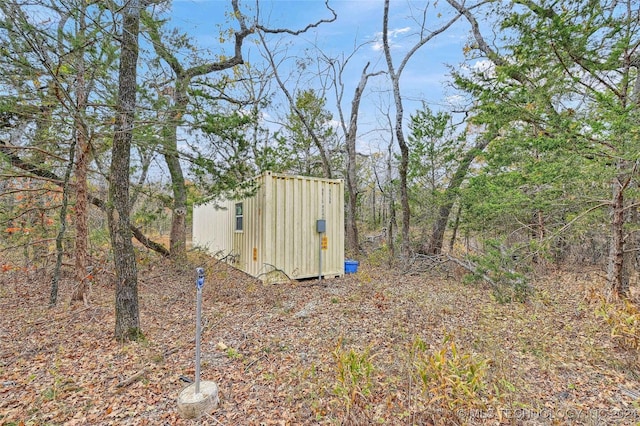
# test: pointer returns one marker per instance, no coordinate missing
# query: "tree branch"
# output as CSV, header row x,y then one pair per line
x,y
36,170
305,29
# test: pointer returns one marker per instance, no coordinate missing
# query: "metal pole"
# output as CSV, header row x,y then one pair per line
x,y
320,259
199,285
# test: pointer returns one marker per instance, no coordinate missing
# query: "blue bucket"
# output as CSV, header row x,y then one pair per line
x,y
350,266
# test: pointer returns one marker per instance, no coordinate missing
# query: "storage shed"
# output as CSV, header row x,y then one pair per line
x,y
292,227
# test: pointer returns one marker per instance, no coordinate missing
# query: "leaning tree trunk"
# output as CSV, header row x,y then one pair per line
x,y
352,184
178,237
127,311
435,243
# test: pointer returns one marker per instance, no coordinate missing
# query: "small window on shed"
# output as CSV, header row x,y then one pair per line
x,y
239,216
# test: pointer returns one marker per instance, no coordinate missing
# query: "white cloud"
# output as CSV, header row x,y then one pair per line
x,y
455,101
393,36
484,66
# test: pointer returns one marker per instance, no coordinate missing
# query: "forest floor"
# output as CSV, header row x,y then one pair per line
x,y
372,347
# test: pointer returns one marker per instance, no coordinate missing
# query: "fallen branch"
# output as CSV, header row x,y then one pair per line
x,y
419,263
169,352
253,362
36,171
64,316
275,269
473,269
133,378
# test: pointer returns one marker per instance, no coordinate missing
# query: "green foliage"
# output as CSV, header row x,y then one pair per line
x,y
433,153
233,353
450,379
354,376
147,215
99,240
275,157
300,132
564,105
223,164
498,263
432,145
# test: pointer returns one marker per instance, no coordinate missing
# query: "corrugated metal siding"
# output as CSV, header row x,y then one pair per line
x,y
280,225
212,227
292,243
251,236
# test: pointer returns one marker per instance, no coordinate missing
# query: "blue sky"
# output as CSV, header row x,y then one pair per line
x,y
359,21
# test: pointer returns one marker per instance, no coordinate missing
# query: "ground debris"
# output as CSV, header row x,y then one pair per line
x,y
272,351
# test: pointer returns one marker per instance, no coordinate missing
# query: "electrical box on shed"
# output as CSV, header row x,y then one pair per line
x,y
321,226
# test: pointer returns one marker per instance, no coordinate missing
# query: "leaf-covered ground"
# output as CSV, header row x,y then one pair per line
x,y
277,352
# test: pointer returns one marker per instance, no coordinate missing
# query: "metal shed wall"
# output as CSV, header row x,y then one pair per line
x,y
293,204
279,227
211,230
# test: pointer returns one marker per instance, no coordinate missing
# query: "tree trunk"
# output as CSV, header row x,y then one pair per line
x,y
404,191
437,232
404,148
391,225
352,200
439,227
617,273
621,254
352,184
82,152
178,237
635,237
394,76
81,247
454,234
127,312
55,279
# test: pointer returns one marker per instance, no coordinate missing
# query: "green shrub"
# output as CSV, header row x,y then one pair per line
x,y
498,266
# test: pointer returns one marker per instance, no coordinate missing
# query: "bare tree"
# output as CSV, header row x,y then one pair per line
x,y
350,130
394,74
183,77
297,112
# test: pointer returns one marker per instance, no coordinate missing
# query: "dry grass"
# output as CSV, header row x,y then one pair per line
x,y
548,361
